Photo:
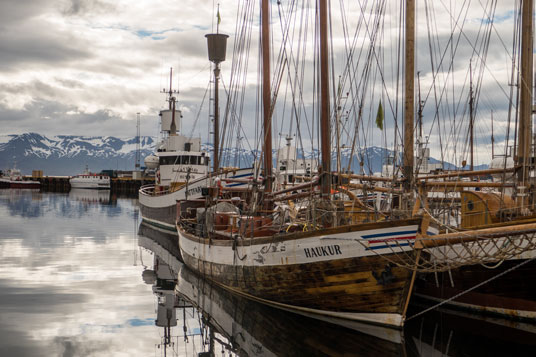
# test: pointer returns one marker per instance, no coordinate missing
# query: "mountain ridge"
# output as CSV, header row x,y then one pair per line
x,y
70,154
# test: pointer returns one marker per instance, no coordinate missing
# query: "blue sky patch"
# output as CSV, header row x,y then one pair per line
x,y
141,322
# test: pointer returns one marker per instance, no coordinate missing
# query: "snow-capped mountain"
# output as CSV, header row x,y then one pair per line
x,y
69,155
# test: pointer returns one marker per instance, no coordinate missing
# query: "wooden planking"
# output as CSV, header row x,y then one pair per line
x,y
323,285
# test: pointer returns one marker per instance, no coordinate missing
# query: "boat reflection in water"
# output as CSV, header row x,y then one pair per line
x,y
90,196
213,319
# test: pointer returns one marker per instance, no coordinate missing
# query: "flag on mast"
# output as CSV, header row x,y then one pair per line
x,y
379,116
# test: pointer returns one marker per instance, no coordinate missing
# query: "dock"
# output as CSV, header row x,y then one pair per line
x,y
119,185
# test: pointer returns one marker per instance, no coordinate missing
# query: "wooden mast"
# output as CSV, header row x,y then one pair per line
x,y
408,157
525,105
266,102
217,46
471,117
325,132
216,164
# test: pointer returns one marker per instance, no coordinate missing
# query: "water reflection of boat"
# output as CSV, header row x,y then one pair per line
x,y
445,332
163,277
151,236
89,195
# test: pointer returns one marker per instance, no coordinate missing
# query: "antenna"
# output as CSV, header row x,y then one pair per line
x,y
138,151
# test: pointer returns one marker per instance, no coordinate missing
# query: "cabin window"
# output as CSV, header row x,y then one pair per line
x,y
187,146
168,160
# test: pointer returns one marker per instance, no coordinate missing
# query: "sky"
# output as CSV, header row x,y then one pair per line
x,y
82,67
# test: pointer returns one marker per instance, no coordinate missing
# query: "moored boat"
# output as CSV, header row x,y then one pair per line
x,y
299,248
498,279
328,273
90,180
182,171
14,179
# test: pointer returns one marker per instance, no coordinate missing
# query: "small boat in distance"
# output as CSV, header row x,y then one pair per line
x,y
14,179
90,180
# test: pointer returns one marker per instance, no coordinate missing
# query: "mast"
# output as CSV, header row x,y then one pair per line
x,y
408,158
471,116
324,94
492,138
525,104
170,85
216,163
266,102
337,125
217,46
172,99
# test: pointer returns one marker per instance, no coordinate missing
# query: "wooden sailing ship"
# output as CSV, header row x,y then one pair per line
x,y
336,270
338,262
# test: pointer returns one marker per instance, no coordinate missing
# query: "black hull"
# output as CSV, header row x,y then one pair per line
x,y
512,295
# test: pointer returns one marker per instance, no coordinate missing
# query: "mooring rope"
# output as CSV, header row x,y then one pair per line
x,y
471,289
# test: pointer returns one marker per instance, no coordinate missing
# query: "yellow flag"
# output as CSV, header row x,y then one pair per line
x,y
218,16
379,116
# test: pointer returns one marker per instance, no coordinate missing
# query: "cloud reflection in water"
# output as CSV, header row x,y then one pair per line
x,y
70,284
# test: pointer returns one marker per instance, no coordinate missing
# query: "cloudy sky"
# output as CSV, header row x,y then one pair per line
x,y
86,67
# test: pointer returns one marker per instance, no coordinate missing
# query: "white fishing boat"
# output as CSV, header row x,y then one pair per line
x,y
90,180
182,171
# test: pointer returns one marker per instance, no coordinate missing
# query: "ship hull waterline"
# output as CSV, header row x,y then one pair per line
x,y
6,183
331,276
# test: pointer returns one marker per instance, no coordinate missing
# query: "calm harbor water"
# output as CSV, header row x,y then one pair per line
x,y
79,276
